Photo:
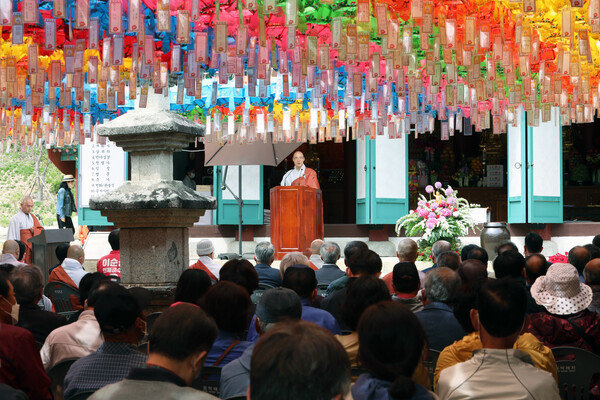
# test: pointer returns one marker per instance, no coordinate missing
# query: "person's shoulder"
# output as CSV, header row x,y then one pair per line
x,y
15,332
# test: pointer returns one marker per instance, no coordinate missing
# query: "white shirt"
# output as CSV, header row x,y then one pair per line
x,y
74,270
19,221
316,259
292,175
212,266
497,374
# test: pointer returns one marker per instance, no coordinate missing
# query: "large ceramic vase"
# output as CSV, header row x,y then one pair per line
x,y
493,235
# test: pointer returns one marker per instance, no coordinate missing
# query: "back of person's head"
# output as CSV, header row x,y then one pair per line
x,y
506,246
61,252
478,253
405,277
293,258
578,257
182,331
11,247
301,361
315,246
594,250
242,272
464,252
509,263
596,240
22,249
76,252
439,247
441,285
330,252
365,262
352,247
449,259
205,247
88,282
591,272
27,283
278,305
360,294
116,310
191,286
8,268
113,239
391,342
535,266
264,253
228,304
407,250
300,279
473,273
533,243
501,306
96,292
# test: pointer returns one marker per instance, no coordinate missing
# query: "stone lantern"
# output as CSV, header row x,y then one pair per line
x,y
152,210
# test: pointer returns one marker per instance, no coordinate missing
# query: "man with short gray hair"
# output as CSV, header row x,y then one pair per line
x,y
28,285
437,318
329,272
264,255
406,251
315,253
439,247
275,305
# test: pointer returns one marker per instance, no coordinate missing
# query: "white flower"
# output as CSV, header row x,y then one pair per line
x,y
455,214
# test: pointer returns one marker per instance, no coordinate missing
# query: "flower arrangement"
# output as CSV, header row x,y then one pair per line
x,y
559,258
444,216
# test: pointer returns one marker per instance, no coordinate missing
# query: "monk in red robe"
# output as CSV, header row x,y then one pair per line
x,y
300,175
23,226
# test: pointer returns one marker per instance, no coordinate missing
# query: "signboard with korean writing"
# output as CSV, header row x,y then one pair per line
x,y
102,168
495,175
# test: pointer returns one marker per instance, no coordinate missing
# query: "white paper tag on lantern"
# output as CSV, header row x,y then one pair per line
x,y
50,30
82,14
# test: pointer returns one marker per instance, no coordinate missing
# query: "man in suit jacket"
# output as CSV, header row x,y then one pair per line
x,y
330,253
264,254
300,175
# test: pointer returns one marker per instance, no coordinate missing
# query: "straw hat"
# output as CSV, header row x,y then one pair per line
x,y
561,291
68,178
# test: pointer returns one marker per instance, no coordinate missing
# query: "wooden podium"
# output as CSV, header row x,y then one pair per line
x,y
296,219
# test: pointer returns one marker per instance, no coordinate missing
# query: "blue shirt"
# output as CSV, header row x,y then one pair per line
x,y
111,363
440,325
64,208
235,376
267,275
222,342
310,314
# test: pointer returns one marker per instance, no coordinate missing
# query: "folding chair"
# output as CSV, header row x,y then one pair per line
x,y
60,293
576,368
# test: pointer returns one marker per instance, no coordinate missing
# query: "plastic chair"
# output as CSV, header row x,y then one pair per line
x,y
264,286
60,293
114,278
57,377
71,316
322,289
576,368
210,381
430,362
256,295
151,319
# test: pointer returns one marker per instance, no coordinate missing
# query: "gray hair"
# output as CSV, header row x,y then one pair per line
x,y
441,285
315,246
27,282
292,258
439,247
407,250
264,252
330,252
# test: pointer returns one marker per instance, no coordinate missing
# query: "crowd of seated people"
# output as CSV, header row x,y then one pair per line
x,y
274,331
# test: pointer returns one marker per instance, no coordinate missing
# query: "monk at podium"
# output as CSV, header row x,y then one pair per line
x,y
23,226
300,175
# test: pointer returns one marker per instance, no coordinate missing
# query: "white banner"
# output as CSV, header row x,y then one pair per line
x,y
101,169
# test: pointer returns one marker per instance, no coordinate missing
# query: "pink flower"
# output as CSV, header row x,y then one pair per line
x,y
438,185
422,203
451,200
449,191
422,212
434,206
443,203
431,223
446,212
429,189
432,216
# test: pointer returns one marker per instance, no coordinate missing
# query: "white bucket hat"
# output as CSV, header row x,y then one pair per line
x,y
204,247
561,291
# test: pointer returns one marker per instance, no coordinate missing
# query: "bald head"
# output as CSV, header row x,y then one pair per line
x,y
579,257
26,204
298,159
11,247
473,273
535,266
591,272
407,250
315,246
76,253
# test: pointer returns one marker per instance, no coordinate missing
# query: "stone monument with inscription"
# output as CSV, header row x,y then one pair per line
x,y
152,210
